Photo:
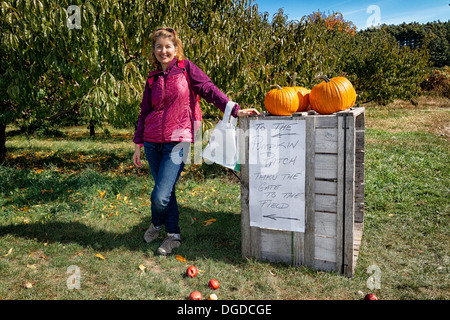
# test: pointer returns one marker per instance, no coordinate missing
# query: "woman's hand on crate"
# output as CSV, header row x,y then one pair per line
x,y
247,112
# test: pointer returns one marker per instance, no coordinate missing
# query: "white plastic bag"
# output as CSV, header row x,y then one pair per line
x,y
223,144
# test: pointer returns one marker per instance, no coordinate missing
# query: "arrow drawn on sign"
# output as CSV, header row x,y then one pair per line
x,y
275,217
283,134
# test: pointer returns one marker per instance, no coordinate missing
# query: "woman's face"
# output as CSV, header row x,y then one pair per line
x,y
165,51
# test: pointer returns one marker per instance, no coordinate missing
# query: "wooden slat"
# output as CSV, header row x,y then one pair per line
x,y
299,248
359,115
359,211
359,156
325,248
245,211
359,142
325,187
325,224
324,265
359,192
326,203
326,140
356,112
322,121
340,191
326,166
345,203
276,245
282,246
310,203
359,173
357,241
349,196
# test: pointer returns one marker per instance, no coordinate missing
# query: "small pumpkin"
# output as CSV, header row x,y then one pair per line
x,y
332,95
281,101
303,96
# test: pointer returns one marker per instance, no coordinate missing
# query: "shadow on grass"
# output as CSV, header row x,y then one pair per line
x,y
73,152
71,160
219,241
71,178
116,161
28,187
67,232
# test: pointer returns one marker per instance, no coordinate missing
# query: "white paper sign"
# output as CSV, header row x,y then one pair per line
x,y
277,174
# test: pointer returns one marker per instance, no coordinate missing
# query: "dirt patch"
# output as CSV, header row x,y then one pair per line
x,y
152,265
426,114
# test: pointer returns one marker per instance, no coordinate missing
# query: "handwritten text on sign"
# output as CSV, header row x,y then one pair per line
x,y
277,174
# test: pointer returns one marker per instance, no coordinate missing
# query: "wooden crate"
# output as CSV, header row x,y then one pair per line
x,y
334,196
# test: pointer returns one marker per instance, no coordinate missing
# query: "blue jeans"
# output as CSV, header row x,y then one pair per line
x,y
166,161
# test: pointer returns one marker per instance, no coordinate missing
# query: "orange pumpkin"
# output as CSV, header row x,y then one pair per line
x,y
281,101
303,97
332,95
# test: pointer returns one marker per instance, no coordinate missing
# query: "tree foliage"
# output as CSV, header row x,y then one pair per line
x,y
49,70
381,70
433,35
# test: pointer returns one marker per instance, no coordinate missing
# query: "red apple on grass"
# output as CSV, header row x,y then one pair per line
x,y
213,284
370,296
195,295
191,271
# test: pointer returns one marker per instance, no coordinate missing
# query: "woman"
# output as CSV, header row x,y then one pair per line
x,y
165,121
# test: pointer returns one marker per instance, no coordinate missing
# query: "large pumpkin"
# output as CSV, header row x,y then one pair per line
x,y
303,97
332,95
281,101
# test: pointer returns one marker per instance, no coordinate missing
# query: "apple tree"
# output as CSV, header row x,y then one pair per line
x,y
61,56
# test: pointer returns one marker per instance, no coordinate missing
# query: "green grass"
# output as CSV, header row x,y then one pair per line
x,y
65,200
407,213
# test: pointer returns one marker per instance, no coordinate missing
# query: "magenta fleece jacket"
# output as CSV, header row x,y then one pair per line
x,y
167,110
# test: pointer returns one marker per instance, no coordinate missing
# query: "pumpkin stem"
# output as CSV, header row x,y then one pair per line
x,y
276,86
293,80
323,77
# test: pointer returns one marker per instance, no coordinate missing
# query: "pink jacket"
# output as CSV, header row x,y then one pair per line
x,y
167,109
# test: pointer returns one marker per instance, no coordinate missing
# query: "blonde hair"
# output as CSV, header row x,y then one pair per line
x,y
165,33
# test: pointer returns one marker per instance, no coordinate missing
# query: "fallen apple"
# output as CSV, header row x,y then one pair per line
x,y
212,296
195,295
370,296
213,284
191,271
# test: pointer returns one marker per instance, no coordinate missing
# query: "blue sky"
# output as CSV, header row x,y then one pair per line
x,y
364,13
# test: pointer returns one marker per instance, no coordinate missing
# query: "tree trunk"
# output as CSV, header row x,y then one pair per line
x,y
91,128
2,143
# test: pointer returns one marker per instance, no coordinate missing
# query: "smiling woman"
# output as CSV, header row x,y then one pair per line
x,y
166,47
170,115
165,51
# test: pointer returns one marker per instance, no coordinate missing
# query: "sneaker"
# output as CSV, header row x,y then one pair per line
x,y
151,234
171,242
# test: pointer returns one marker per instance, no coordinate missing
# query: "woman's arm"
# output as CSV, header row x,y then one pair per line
x,y
205,88
146,107
202,85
